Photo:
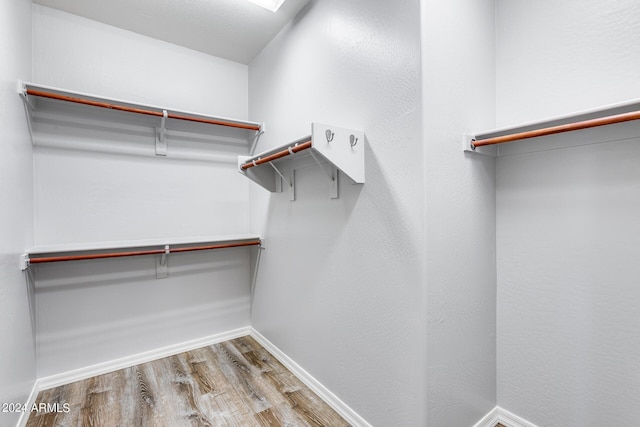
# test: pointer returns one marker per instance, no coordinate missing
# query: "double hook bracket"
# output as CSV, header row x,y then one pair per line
x,y
336,150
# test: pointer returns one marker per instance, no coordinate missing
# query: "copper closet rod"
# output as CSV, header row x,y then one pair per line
x,y
138,253
100,104
586,124
278,155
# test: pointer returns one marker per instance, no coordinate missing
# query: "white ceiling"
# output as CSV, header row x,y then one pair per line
x,y
233,29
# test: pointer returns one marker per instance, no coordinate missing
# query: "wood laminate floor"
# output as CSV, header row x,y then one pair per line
x,y
234,383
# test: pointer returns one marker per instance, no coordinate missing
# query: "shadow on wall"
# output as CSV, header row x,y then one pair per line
x,y
29,279
364,224
123,136
131,272
94,311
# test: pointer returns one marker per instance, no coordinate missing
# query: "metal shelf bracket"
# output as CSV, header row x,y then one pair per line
x,y
332,173
256,138
161,135
291,183
162,264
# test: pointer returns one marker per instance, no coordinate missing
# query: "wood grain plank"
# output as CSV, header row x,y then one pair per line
x,y
96,402
268,418
186,395
201,371
304,402
144,398
240,379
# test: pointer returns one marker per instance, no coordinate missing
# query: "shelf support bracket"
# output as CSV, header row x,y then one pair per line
x,y
291,183
161,135
256,138
332,174
254,277
29,108
333,190
162,265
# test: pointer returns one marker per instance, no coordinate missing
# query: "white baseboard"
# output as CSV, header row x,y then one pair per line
x,y
63,378
489,420
511,420
324,393
24,417
504,417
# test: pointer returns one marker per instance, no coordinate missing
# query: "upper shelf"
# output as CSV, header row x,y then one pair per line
x,y
330,147
48,104
487,142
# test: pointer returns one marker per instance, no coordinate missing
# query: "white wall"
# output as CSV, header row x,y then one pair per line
x,y
158,195
567,220
341,285
17,350
557,57
458,59
96,185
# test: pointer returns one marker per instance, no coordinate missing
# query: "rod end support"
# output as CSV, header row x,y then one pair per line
x,y
24,262
469,147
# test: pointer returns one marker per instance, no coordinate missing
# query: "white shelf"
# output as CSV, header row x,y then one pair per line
x,y
142,243
622,130
130,245
330,147
52,110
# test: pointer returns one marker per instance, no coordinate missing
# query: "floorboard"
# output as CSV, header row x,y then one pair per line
x,y
234,383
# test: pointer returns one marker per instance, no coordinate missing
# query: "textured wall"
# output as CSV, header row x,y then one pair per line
x,y
97,185
459,84
17,352
557,57
567,222
341,285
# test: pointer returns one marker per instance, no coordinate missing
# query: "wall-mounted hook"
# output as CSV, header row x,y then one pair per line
x,y
353,140
329,135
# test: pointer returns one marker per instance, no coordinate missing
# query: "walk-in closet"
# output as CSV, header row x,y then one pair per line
x,y
319,213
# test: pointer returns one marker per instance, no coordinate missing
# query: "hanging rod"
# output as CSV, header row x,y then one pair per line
x,y
286,152
569,127
84,101
162,251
